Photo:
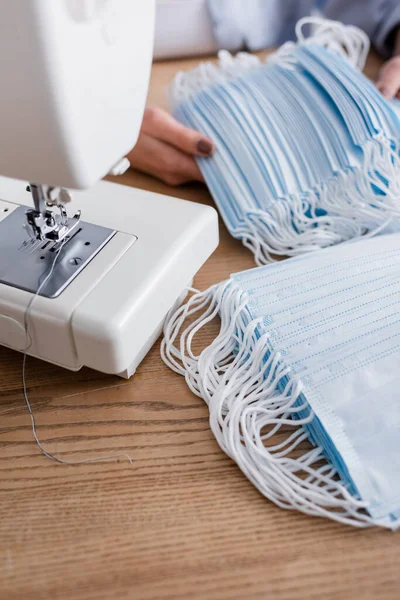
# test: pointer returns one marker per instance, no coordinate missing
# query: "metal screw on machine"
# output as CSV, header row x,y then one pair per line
x,y
75,261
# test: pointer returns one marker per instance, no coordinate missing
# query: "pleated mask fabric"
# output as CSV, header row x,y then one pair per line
x,y
302,380
307,150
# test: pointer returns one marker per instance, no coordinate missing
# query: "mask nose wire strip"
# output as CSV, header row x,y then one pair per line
x,y
25,391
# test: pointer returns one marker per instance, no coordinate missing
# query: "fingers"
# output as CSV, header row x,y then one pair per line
x,y
161,160
166,149
389,79
159,124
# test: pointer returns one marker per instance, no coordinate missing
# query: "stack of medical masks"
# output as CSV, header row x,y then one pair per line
x,y
307,149
302,381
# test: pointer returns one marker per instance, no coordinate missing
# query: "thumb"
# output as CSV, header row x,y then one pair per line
x,y
389,78
165,128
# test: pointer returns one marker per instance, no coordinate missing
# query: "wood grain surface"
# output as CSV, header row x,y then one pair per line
x,y
182,522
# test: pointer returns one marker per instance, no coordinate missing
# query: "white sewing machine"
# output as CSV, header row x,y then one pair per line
x,y
74,78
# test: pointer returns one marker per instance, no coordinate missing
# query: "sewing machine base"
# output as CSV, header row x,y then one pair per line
x,y
111,312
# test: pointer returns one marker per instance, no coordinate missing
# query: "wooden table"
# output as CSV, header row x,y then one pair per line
x,y
182,522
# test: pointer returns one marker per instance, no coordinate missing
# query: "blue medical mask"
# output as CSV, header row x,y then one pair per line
x,y
306,148
308,350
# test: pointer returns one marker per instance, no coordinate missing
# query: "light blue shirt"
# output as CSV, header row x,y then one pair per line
x,y
256,24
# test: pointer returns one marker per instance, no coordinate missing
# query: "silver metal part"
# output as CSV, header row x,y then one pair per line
x,y
25,261
39,197
44,223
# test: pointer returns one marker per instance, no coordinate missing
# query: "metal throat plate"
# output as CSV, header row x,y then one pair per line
x,y
25,261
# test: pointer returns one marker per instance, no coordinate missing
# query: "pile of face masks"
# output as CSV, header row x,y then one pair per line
x,y
302,382
307,149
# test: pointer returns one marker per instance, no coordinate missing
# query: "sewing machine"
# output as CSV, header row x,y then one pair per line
x,y
74,78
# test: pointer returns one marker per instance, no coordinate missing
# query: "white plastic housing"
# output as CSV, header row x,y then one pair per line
x,y
183,28
74,79
111,314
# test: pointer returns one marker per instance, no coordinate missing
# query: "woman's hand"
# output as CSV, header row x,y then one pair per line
x,y
389,78
166,149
